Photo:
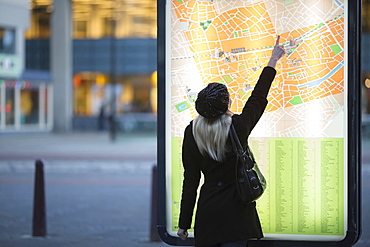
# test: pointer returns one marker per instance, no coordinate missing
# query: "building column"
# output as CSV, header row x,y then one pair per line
x,y
61,64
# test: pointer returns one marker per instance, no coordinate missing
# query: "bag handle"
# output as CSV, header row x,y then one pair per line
x,y
238,149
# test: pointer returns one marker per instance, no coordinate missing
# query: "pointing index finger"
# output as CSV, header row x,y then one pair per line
x,y
277,40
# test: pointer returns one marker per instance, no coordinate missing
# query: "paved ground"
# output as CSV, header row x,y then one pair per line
x,y
98,193
80,146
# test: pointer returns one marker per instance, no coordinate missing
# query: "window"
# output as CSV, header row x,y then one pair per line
x,y
29,106
7,40
366,16
10,106
134,19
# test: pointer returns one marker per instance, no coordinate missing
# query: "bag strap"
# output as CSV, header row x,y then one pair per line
x,y
238,149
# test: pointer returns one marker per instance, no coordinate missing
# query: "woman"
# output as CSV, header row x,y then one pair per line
x,y
221,219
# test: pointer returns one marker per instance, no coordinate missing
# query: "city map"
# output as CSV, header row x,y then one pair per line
x,y
299,143
231,41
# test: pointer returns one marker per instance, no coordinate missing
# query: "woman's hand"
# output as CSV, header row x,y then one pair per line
x,y
277,53
183,234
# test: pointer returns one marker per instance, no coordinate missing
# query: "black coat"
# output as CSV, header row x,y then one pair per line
x,y
220,216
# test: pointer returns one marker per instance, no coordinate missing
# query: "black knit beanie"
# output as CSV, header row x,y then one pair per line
x,y
213,100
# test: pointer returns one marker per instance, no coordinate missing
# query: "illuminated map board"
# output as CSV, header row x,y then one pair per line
x,y
301,142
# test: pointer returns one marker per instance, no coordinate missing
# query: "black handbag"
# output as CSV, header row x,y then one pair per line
x,y
250,182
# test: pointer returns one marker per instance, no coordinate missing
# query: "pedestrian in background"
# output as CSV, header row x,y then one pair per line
x,y
221,218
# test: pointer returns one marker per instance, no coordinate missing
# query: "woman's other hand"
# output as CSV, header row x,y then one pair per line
x,y
183,234
277,53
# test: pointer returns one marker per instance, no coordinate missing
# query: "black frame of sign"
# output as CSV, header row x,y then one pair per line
x,y
354,133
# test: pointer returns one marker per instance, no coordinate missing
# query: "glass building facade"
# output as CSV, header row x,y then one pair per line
x,y
25,96
365,54
114,55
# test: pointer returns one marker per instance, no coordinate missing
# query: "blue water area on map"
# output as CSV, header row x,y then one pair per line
x,y
319,81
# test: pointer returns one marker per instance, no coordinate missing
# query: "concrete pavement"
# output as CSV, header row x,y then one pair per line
x,y
97,192
87,146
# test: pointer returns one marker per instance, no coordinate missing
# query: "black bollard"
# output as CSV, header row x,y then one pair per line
x,y
39,208
154,237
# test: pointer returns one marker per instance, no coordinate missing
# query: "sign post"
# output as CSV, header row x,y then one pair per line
x,y
308,141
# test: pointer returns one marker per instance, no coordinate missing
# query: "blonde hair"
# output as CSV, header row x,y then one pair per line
x,y
211,134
